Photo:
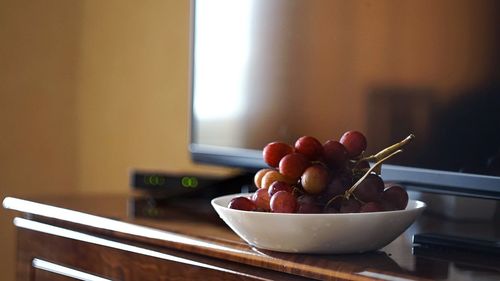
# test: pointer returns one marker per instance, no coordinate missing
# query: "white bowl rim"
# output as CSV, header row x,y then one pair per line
x,y
417,205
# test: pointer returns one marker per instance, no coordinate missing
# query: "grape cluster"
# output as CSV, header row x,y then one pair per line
x,y
333,177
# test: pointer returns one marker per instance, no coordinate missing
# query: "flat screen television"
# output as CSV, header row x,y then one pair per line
x,y
276,70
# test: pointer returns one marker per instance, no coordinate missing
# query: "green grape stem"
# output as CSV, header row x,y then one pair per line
x,y
389,150
349,192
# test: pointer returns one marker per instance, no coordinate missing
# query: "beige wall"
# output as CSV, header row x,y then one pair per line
x,y
88,91
133,91
38,82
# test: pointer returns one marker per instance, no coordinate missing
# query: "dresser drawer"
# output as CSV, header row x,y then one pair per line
x,y
48,271
118,260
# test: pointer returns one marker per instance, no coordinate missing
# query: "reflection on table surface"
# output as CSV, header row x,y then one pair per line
x,y
400,257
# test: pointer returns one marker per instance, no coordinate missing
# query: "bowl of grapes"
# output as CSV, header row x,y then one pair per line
x,y
321,198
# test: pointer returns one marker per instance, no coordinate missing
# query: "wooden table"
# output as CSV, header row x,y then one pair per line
x,y
122,237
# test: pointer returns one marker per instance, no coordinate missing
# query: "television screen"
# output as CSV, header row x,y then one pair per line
x,y
276,70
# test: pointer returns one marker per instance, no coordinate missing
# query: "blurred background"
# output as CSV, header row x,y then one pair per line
x,y
88,91
91,89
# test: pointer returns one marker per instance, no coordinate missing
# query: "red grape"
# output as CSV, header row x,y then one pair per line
x,y
335,153
279,186
274,152
314,179
307,204
258,177
293,165
273,176
370,189
334,188
242,203
354,142
283,202
371,207
308,207
334,205
395,198
361,167
350,205
261,199
310,147
310,177
331,210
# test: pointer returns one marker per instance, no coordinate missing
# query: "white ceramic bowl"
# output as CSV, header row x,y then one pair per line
x,y
317,233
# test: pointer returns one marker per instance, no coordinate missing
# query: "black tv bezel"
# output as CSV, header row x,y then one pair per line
x,y
427,180
421,179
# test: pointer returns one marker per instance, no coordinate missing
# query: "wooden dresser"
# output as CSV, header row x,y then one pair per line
x,y
122,237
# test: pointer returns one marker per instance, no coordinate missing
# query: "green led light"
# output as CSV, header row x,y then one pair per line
x,y
194,182
189,182
154,180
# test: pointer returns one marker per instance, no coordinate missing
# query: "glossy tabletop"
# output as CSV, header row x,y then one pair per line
x,y
191,225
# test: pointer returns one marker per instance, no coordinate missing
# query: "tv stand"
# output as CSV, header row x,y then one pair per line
x,y
100,236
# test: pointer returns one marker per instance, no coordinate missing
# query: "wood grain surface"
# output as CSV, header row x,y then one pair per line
x,y
175,226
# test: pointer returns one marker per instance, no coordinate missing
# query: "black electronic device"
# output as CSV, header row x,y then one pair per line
x,y
169,185
456,242
461,259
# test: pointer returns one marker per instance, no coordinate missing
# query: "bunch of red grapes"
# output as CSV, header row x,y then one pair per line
x,y
333,177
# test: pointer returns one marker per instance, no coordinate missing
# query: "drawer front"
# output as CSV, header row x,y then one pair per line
x,y
48,271
120,260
